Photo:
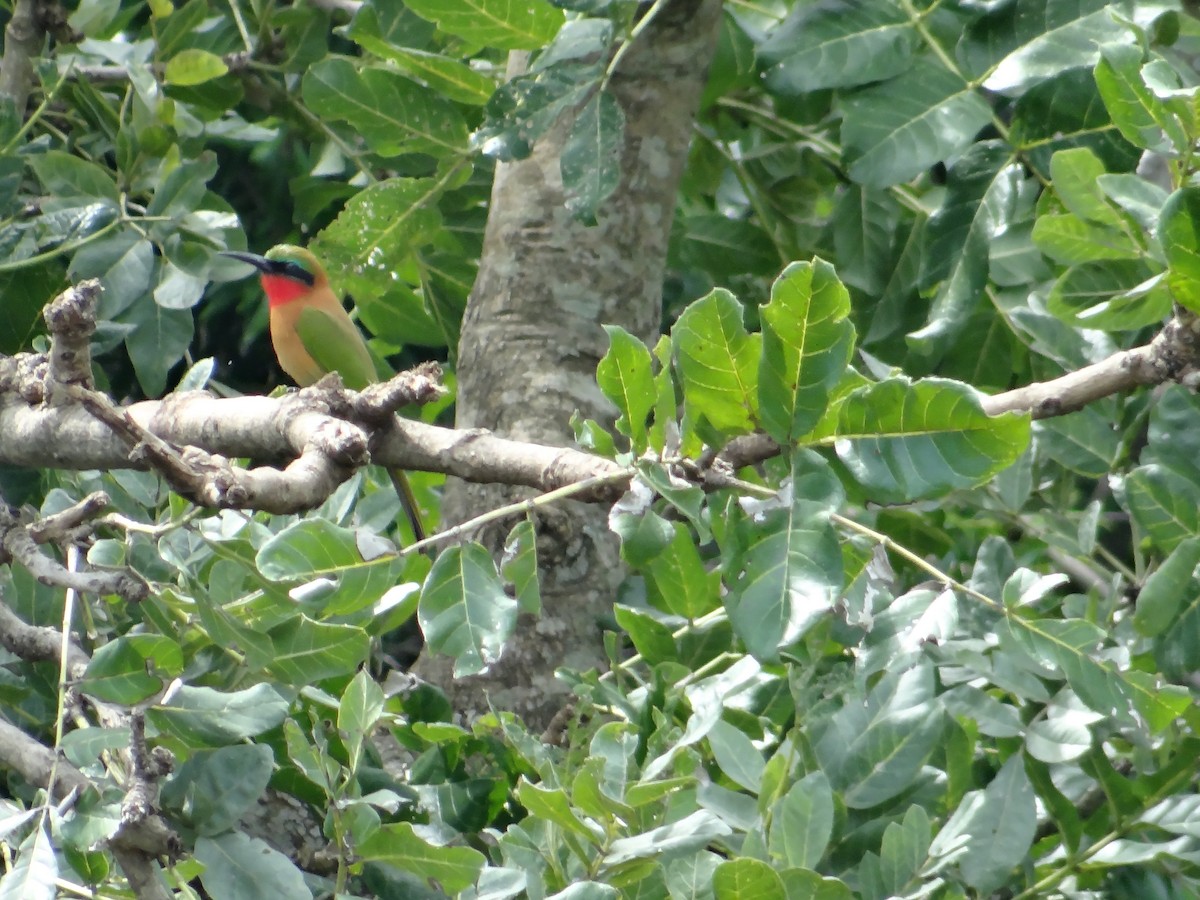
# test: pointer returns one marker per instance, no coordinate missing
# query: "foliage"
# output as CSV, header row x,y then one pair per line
x,y
855,670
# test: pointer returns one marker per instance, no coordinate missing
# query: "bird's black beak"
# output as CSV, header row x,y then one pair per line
x,y
259,262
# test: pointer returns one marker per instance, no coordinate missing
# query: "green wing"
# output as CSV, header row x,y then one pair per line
x,y
336,346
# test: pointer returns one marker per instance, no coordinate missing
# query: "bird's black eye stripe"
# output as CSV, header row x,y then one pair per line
x,y
296,271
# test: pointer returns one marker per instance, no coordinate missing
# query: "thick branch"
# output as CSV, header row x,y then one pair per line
x,y
267,428
22,42
1172,355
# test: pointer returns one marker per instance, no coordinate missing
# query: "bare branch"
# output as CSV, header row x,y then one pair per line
x,y
1171,356
71,319
17,542
22,42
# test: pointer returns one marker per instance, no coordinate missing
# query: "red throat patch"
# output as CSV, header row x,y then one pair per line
x,y
281,290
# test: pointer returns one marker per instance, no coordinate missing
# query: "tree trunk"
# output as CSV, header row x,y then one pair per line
x,y
531,339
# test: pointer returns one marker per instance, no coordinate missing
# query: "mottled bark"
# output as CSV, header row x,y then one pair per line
x,y
531,340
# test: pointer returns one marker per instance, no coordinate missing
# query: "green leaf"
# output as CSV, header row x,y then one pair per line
x,y
1002,829
504,24
743,878
238,866
1164,504
392,114
454,868
1156,701
201,715
725,246
132,668
676,580
360,708
193,66
718,363
790,570
739,760
1066,112
213,789
871,751
312,549
904,850
124,263
464,610
1083,441
306,651
1076,173
1069,38
894,131
591,156
1144,120
520,566
905,440
650,637
1167,588
1111,295
1069,645
35,870
624,376
691,832
837,44
1068,239
68,177
553,805
449,77
802,823
159,340
26,291
982,193
807,340
1179,232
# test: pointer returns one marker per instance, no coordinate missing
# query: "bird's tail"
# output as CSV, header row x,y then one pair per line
x,y
408,501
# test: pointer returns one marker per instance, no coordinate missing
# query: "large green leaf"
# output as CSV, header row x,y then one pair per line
x,y
313,549
624,376
393,114
1175,583
1068,36
591,157
1164,504
789,573
201,715
454,868
676,579
306,651
1066,111
132,668
895,130
840,43
505,24
1179,232
980,203
1002,828
238,866
718,363
905,440
1144,119
872,750
807,340
449,77
213,789
1112,295
464,610
802,822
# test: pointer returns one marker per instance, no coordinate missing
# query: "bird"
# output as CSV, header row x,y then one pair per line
x,y
313,334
